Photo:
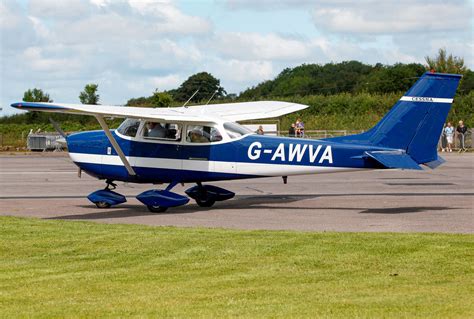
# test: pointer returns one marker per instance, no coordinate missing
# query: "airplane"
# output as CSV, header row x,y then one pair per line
x,y
202,144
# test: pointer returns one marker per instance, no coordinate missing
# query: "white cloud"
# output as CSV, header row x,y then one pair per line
x,y
167,82
35,60
254,46
170,19
53,9
131,47
391,17
242,71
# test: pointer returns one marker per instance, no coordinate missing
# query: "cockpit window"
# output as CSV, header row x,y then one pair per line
x,y
166,131
235,130
202,134
129,127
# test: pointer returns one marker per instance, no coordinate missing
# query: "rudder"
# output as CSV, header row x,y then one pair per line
x,y
415,122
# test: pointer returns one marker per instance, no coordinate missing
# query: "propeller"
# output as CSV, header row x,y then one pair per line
x,y
57,128
63,139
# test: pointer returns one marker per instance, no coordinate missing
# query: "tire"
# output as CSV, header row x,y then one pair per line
x,y
102,204
157,209
205,202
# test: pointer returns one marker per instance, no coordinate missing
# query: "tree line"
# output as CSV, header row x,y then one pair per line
x,y
304,84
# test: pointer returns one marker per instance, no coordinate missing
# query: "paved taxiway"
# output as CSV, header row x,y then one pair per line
x,y
441,200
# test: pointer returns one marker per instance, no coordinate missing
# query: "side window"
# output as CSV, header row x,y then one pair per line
x,y
166,131
202,134
129,127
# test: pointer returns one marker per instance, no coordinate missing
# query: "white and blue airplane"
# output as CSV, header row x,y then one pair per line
x,y
201,144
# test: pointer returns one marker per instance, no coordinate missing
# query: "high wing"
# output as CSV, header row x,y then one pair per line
x,y
199,113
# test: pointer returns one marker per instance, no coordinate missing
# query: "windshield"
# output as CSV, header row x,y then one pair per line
x,y
129,127
235,130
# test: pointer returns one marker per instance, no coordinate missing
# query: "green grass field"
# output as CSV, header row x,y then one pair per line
x,y
80,269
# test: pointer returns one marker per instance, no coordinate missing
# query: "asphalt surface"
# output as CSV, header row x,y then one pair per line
x,y
441,200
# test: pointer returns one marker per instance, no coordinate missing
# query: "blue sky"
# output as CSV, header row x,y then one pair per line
x,y
131,47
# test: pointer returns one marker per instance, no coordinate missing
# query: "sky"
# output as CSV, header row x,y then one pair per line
x,y
132,47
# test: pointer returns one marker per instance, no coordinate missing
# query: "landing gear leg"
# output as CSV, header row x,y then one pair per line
x,y
110,185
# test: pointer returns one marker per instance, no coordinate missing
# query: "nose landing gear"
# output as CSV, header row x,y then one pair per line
x,y
158,201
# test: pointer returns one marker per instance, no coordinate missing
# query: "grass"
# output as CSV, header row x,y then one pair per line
x,y
81,269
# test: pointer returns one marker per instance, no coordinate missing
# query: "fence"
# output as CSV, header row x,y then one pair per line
x,y
315,134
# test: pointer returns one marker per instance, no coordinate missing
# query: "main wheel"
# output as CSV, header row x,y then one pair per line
x,y
157,209
102,204
206,202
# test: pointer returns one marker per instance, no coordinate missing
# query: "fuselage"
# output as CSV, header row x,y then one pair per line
x,y
249,156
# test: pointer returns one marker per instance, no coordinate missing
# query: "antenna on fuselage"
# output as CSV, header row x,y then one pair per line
x,y
184,105
203,108
211,96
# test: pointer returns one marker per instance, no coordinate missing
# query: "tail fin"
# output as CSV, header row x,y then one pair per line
x,y
415,122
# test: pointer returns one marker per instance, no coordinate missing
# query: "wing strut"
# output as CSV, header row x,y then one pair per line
x,y
114,143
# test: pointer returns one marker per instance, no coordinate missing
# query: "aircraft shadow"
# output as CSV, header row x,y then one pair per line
x,y
246,202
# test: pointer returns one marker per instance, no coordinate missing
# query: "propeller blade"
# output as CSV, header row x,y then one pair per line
x,y
57,128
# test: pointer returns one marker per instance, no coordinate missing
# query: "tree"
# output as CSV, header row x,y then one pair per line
x,y
36,95
445,63
89,95
205,82
391,78
161,99
467,82
140,102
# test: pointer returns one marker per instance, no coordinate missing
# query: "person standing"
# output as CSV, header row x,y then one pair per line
x,y
299,128
292,130
260,130
461,129
449,131
443,142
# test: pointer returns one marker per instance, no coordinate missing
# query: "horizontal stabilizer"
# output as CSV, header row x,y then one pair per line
x,y
435,163
394,159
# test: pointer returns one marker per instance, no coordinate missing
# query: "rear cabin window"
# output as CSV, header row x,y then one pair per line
x,y
235,130
202,134
129,127
162,131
